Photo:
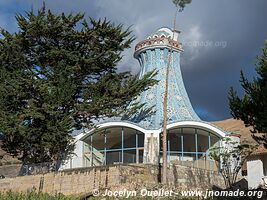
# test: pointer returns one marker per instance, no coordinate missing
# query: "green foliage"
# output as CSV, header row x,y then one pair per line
x,y
59,72
252,107
45,196
34,196
180,4
231,155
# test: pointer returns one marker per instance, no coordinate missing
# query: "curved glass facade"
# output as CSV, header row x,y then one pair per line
x,y
116,145
113,145
190,146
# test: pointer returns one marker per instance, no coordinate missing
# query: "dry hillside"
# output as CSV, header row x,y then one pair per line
x,y
7,159
237,126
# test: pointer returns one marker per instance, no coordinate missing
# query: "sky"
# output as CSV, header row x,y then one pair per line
x,y
219,38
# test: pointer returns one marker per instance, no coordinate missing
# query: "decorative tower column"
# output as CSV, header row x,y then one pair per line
x,y
152,54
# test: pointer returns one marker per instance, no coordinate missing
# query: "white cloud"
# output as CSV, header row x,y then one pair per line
x,y
194,33
192,42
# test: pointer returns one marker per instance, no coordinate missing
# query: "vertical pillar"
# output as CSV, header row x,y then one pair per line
x,y
209,143
210,161
151,148
122,144
70,166
105,147
196,142
169,146
136,146
91,160
182,143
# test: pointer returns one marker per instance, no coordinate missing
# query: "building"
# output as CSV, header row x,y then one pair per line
x,y
136,139
254,169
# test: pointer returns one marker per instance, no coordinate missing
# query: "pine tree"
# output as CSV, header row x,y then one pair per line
x,y
252,107
57,73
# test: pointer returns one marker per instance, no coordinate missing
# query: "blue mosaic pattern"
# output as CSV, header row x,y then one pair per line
x,y
179,107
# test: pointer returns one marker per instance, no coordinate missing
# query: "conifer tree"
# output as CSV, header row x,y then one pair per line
x,y
252,107
59,72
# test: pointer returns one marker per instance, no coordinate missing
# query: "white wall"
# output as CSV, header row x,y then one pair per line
x,y
151,148
255,172
76,160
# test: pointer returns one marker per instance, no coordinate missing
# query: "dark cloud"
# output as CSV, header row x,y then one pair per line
x,y
209,76
220,38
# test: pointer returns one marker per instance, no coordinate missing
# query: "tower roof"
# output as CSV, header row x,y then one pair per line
x,y
162,38
165,32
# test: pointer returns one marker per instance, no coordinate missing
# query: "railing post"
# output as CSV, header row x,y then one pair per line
x,y
122,144
196,146
105,147
92,161
136,146
182,144
210,161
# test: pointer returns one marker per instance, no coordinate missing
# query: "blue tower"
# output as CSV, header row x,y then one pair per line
x,y
153,54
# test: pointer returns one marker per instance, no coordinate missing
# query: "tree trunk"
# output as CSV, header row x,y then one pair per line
x,y
165,104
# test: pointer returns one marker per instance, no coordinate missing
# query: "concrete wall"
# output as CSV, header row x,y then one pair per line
x,y
151,148
76,160
84,180
255,171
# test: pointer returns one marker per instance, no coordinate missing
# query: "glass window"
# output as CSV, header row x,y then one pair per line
x,y
116,142
189,139
215,140
202,140
174,138
129,137
141,139
129,156
99,141
113,157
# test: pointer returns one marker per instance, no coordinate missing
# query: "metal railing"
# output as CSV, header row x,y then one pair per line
x,y
198,160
